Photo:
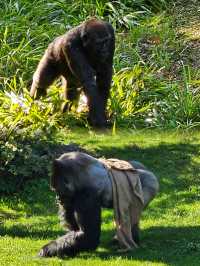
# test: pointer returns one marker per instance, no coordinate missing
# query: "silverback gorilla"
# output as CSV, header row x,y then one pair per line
x,y
83,186
83,57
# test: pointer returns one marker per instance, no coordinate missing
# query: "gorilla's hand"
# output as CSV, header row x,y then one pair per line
x,y
62,246
49,250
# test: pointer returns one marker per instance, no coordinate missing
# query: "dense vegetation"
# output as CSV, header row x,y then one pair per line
x,y
152,87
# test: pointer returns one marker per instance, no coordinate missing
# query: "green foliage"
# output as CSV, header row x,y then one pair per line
x,y
124,15
181,108
128,95
19,161
138,95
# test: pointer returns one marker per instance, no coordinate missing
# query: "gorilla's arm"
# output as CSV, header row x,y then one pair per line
x,y
88,213
78,63
103,78
66,213
81,68
47,71
104,69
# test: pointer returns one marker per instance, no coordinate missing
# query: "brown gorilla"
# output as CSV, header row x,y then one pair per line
x,y
84,58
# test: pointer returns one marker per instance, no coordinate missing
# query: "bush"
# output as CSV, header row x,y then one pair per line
x,y
28,157
19,163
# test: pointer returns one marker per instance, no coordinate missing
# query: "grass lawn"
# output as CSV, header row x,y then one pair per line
x,y
170,227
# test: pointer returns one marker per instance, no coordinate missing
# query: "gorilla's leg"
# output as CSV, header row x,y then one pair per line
x,y
150,187
71,94
88,213
103,78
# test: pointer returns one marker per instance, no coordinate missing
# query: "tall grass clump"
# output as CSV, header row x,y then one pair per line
x,y
181,107
139,97
134,95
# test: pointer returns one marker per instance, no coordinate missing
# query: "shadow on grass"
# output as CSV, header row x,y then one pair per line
x,y
158,244
168,161
24,231
172,163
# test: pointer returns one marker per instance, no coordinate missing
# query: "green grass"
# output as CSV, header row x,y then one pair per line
x,y
169,227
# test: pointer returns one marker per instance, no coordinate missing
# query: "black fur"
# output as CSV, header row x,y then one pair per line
x,y
83,187
85,228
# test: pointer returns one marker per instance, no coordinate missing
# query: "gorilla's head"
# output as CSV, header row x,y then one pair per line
x,y
69,172
63,177
98,38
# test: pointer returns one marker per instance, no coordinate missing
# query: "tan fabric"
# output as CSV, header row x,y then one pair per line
x,y
128,199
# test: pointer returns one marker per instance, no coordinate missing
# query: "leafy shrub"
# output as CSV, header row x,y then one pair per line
x,y
22,161
140,97
134,94
26,156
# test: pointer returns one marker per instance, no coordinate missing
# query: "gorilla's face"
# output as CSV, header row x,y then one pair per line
x,y
99,47
97,40
102,47
62,179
